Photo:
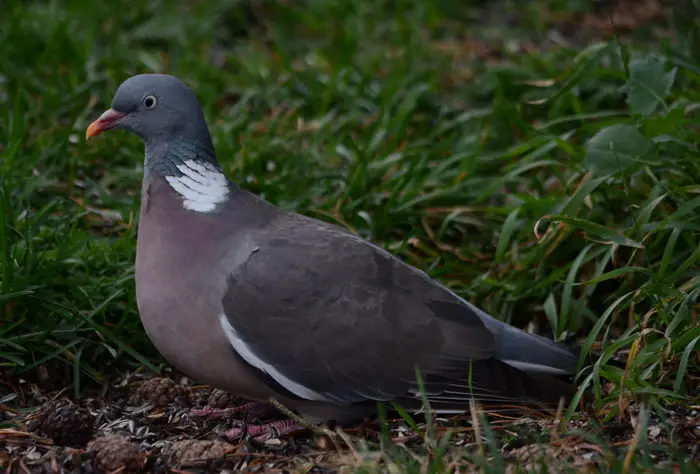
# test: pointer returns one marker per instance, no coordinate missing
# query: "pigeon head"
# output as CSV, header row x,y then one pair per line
x,y
165,113
156,107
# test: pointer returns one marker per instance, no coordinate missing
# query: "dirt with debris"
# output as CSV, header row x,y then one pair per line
x,y
143,423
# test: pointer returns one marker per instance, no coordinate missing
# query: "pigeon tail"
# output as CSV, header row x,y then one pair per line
x,y
527,352
535,354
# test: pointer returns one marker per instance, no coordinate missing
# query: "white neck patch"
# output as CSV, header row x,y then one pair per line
x,y
202,185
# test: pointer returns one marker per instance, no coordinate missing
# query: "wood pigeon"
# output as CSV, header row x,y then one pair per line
x,y
261,302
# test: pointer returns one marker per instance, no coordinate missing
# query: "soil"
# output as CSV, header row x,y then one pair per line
x,y
142,423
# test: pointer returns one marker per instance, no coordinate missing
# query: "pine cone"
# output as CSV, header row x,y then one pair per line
x,y
220,399
161,391
114,452
66,423
183,452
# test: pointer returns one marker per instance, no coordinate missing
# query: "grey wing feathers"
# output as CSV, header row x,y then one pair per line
x,y
349,322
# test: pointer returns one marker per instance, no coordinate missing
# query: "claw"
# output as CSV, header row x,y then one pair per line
x,y
267,430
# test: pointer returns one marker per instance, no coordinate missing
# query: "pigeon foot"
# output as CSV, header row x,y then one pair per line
x,y
264,431
208,413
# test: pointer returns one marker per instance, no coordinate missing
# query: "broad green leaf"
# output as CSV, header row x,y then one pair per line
x,y
616,148
665,124
648,85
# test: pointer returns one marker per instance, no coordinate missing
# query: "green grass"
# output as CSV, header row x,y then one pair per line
x,y
555,185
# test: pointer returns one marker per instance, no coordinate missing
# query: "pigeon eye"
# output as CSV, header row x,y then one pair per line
x,y
150,101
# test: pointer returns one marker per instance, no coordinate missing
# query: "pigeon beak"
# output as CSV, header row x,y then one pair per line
x,y
106,121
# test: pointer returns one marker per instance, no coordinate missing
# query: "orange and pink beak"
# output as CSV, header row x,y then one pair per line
x,y
106,121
